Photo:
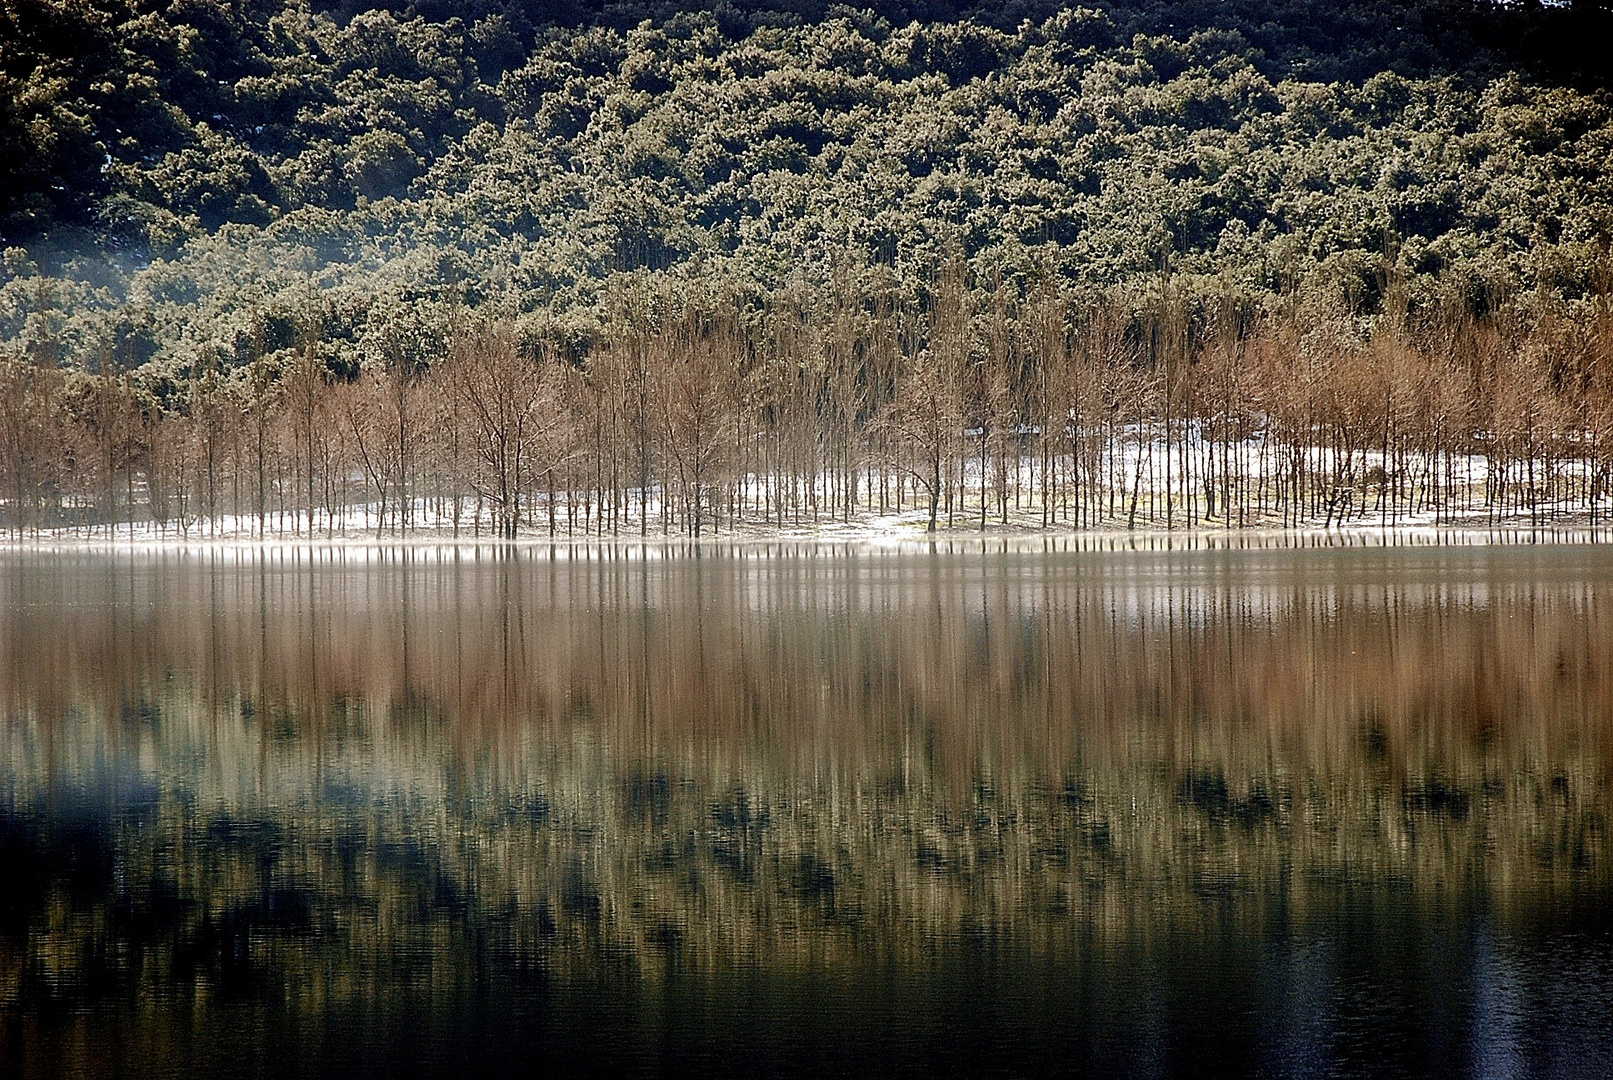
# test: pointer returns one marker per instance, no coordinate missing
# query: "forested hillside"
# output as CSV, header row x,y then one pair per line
x,y
662,265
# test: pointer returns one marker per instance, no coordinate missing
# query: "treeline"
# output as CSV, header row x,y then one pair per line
x,y
1086,265
980,406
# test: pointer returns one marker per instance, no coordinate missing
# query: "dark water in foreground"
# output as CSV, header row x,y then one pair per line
x,y
807,811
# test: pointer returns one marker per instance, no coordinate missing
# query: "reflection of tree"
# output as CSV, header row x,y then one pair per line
x,y
782,761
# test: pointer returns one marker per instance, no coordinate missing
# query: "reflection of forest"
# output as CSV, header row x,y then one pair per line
x,y
219,769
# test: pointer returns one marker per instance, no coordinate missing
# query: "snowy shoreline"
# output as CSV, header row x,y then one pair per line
x,y
892,532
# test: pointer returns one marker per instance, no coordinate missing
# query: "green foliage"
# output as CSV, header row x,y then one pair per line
x,y
197,167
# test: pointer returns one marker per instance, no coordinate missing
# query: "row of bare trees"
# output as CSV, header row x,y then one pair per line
x,y
968,404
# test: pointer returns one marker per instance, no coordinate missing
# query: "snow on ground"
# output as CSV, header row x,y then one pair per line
x,y
889,531
1136,470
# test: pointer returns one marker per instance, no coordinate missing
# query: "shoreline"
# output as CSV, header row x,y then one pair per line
x,y
1565,530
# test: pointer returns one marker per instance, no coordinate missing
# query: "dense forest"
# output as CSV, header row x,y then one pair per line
x,y
632,268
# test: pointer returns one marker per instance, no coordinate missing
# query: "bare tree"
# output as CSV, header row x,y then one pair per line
x,y
703,379
508,398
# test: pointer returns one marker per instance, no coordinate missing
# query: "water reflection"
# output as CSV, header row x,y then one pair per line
x,y
1275,809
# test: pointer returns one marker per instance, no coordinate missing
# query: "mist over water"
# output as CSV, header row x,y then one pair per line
x,y
796,810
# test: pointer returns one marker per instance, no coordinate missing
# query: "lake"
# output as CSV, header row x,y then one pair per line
x,y
986,807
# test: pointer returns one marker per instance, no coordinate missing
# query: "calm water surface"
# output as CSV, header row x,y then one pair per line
x,y
807,810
